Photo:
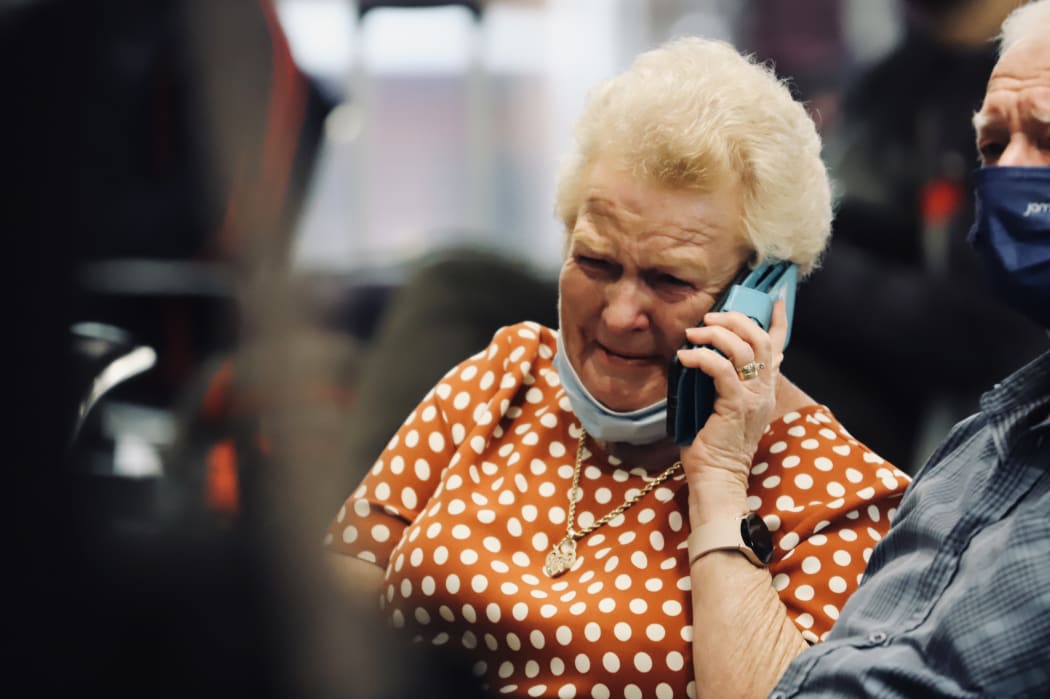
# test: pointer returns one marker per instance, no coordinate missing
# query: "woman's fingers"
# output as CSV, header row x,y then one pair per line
x,y
736,348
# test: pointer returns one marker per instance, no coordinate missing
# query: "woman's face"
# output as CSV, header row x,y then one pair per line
x,y
644,263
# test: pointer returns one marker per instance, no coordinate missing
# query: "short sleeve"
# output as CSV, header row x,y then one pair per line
x,y
828,499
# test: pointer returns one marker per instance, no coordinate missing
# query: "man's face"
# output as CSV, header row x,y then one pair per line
x,y
1013,126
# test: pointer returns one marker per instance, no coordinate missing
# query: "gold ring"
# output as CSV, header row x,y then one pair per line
x,y
749,370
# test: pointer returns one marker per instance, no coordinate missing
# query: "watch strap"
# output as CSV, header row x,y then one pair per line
x,y
719,535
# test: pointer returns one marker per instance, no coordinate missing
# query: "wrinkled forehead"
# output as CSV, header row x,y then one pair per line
x,y
1026,64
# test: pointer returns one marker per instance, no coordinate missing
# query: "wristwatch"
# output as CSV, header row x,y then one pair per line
x,y
747,534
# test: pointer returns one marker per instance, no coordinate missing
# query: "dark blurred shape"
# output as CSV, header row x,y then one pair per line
x,y
804,40
448,308
897,332
156,155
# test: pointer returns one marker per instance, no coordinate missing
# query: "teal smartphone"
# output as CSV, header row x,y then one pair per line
x,y
691,392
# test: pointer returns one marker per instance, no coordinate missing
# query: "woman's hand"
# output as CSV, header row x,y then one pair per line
x,y
718,462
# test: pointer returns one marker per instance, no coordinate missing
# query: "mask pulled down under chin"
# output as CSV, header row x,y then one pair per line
x,y
643,426
1011,235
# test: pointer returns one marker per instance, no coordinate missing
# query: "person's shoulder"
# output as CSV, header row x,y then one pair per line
x,y
812,432
524,339
514,355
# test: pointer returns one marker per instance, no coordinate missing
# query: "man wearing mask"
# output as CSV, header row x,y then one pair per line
x,y
956,598
898,265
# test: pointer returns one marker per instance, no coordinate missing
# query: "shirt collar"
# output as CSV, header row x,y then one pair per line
x,y
1018,403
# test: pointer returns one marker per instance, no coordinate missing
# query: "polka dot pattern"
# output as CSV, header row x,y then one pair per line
x,y
479,495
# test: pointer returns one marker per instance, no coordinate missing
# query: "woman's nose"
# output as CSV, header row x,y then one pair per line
x,y
626,307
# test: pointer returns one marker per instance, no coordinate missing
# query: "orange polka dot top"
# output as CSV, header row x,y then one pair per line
x,y
470,495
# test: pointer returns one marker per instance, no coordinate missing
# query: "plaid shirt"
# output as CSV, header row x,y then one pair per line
x,y
955,601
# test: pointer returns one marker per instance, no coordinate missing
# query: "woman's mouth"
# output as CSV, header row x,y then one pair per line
x,y
616,357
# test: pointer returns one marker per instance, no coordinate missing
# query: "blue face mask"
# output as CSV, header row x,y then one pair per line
x,y
643,426
1011,234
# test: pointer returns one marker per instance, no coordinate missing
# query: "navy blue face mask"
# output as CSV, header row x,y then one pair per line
x,y
1011,234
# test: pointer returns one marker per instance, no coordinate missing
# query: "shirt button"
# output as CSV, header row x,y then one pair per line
x,y
877,637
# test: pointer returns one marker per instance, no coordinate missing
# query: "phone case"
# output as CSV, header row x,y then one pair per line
x,y
690,392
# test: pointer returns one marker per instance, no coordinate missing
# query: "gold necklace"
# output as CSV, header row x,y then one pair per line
x,y
563,555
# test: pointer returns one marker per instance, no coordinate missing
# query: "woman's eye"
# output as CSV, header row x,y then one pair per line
x,y
670,280
593,263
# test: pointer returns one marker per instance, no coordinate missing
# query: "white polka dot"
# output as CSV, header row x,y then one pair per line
x,y
675,661
804,481
811,565
671,607
582,663
836,489
837,584
823,463
842,558
350,534
804,592
380,532
805,620
611,662
592,632
519,611
642,662
789,541
461,532
638,606
655,632
564,635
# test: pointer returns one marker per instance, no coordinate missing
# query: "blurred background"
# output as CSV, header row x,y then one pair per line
x,y
248,235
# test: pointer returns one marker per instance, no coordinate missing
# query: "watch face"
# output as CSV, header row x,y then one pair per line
x,y
756,536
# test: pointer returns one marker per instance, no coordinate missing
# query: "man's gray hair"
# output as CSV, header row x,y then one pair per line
x,y
1029,21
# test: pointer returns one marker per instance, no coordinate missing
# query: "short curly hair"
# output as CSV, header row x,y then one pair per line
x,y
695,113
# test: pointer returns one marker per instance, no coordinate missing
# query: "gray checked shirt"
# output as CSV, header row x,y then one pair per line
x,y
955,601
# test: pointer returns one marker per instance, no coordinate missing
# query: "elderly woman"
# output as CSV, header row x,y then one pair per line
x,y
532,513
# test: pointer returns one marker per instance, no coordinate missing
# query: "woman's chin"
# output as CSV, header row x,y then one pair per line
x,y
625,400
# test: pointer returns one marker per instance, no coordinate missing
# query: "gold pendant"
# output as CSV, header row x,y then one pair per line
x,y
561,557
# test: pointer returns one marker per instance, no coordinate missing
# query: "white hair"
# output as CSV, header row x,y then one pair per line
x,y
1030,21
695,113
